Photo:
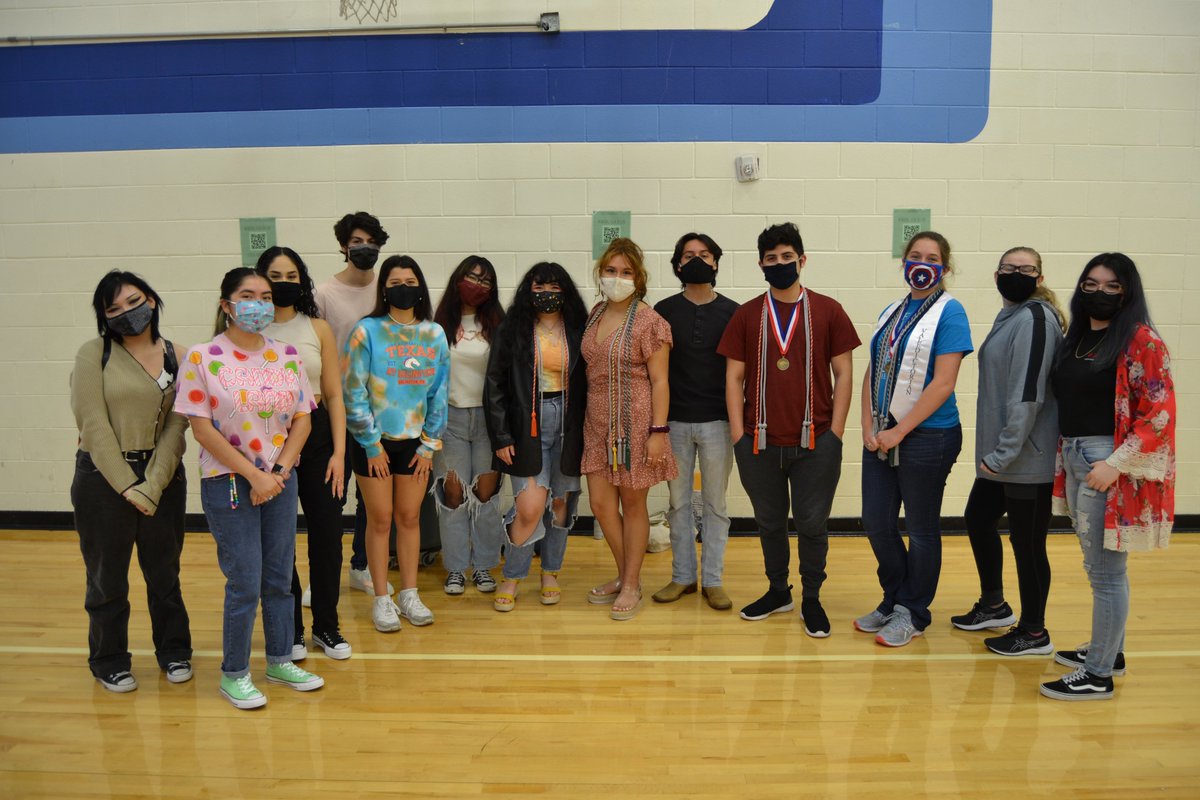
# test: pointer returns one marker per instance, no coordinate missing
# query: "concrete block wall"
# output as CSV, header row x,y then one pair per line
x,y
1091,144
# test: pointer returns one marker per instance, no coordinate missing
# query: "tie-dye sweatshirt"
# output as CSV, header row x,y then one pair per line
x,y
395,383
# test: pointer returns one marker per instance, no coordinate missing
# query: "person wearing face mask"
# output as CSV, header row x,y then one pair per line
x,y
627,346
395,382
466,484
1016,432
342,301
534,398
1115,475
911,437
249,402
788,380
129,487
698,419
321,470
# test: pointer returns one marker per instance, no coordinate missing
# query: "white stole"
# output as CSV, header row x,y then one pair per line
x,y
917,356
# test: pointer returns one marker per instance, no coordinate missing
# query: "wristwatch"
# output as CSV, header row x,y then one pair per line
x,y
277,469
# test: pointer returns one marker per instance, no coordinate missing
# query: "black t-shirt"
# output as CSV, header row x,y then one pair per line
x,y
1087,395
697,373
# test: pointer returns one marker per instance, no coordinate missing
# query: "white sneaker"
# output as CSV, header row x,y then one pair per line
x,y
412,609
306,598
383,614
361,579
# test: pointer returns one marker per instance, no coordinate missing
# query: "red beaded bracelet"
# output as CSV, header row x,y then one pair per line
x,y
660,428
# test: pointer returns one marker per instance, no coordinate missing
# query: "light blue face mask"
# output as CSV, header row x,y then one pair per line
x,y
253,316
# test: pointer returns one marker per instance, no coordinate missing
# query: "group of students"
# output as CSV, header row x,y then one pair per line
x,y
303,384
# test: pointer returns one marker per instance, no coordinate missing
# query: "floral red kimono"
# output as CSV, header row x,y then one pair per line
x,y
1140,510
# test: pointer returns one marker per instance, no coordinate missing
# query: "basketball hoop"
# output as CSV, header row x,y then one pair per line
x,y
368,10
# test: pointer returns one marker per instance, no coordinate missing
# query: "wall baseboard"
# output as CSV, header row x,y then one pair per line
x,y
739,526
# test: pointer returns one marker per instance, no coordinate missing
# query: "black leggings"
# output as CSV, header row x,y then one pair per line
x,y
323,512
1028,509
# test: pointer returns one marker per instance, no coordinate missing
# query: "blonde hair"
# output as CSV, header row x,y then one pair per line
x,y
1042,292
623,246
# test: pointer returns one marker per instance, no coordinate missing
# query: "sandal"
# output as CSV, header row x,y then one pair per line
x,y
599,597
551,595
627,613
505,601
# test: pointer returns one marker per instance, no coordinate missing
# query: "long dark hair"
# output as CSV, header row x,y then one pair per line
x,y
106,292
1132,313
521,317
307,304
449,310
423,309
232,281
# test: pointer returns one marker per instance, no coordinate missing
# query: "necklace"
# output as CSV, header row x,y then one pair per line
x,y
401,322
1091,350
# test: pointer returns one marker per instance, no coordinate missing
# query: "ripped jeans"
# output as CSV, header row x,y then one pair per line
x,y
1106,569
553,537
471,533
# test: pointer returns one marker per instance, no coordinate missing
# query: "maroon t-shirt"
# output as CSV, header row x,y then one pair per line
x,y
833,334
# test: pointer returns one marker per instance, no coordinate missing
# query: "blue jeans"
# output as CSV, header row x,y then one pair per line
x,y
518,559
256,547
909,578
1106,569
471,533
709,441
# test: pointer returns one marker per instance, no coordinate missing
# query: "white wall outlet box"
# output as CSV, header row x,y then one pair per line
x,y
748,168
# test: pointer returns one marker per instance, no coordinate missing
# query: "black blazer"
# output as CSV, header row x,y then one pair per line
x,y
508,405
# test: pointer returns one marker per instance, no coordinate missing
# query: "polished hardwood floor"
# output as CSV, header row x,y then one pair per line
x,y
562,702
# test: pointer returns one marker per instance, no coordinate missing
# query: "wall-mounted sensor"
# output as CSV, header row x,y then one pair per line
x,y
747,168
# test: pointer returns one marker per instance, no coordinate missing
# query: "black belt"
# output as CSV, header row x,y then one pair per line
x,y
138,456
551,395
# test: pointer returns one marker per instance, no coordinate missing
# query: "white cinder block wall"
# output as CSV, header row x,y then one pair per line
x,y
1091,145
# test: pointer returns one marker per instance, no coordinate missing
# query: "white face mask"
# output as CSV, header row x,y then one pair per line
x,y
616,289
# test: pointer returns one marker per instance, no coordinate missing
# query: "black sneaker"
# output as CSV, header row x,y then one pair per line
x,y
1020,642
299,651
332,643
120,681
984,616
775,601
1079,685
1075,658
179,671
816,623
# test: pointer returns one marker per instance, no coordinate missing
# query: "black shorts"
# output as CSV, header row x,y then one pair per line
x,y
399,452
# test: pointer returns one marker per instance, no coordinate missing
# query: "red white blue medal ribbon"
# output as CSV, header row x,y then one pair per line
x,y
784,341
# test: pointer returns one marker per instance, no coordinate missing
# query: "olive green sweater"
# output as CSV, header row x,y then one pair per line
x,y
121,409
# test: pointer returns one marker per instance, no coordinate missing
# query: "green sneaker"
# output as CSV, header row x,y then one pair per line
x,y
290,675
242,692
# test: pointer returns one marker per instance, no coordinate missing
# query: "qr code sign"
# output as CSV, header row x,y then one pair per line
x,y
909,230
609,232
258,241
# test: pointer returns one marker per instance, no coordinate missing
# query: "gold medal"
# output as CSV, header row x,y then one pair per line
x,y
783,364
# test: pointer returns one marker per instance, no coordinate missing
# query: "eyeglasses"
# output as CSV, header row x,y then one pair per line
x,y
1024,269
482,280
1111,287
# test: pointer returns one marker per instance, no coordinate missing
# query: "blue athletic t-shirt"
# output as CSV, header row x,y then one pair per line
x,y
953,335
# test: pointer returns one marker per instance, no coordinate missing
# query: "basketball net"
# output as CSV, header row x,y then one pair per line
x,y
368,10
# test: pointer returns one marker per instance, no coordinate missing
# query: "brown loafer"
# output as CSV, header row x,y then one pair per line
x,y
673,591
716,597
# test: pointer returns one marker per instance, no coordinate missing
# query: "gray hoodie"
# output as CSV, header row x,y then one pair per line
x,y
1016,418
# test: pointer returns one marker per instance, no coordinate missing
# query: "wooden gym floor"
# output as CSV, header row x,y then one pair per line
x,y
561,702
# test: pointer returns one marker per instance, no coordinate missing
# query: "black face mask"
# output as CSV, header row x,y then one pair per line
x,y
782,276
546,302
696,271
285,294
132,322
363,256
1015,287
1101,306
403,296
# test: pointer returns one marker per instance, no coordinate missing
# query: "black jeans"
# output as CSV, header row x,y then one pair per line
x,y
323,512
109,528
811,476
1028,509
